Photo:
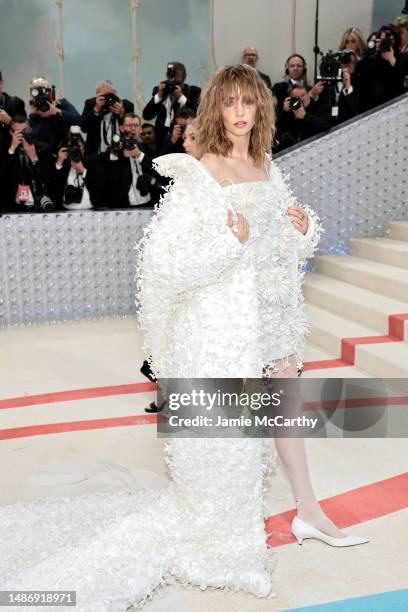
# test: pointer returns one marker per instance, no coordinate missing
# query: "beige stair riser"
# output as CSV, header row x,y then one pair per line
x,y
325,340
398,230
345,307
378,366
367,279
381,252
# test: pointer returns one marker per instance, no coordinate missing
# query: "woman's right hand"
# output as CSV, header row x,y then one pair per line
x,y
239,227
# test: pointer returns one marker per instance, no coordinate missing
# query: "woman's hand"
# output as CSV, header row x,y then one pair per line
x,y
299,218
239,226
62,155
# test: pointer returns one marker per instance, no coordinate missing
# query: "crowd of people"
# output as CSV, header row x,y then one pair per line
x,y
47,164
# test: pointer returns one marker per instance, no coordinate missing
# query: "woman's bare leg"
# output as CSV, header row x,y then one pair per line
x,y
292,453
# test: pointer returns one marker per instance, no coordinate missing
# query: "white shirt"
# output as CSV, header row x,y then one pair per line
x,y
77,180
135,197
168,103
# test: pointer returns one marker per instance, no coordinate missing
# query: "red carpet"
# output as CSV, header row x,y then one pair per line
x,y
350,508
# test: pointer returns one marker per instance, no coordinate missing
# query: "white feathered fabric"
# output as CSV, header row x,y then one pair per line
x,y
209,307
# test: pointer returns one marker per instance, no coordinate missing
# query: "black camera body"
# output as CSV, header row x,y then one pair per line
x,y
74,148
128,142
386,43
171,81
73,194
40,98
110,99
144,184
295,103
330,65
28,136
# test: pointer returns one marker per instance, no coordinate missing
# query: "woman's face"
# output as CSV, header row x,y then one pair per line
x,y
351,44
190,142
238,113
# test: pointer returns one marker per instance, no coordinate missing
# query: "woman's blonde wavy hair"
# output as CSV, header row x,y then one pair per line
x,y
235,80
357,34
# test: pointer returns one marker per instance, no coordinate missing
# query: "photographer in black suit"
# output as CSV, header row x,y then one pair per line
x,y
9,106
382,69
168,97
77,181
250,57
174,140
132,179
50,119
25,171
100,117
295,74
301,118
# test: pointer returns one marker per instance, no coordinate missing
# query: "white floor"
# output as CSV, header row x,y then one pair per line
x,y
82,355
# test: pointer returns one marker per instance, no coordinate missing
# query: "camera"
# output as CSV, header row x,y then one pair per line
x,y
46,204
116,145
73,194
171,81
110,99
128,142
40,98
330,65
144,183
386,43
28,136
74,145
295,103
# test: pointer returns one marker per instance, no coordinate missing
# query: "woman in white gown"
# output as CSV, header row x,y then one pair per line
x,y
219,296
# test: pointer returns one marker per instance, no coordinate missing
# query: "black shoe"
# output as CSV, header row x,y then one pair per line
x,y
153,407
146,371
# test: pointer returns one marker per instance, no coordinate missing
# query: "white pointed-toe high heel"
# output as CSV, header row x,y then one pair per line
x,y
302,530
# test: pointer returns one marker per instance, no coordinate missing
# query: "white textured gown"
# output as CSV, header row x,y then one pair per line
x,y
209,307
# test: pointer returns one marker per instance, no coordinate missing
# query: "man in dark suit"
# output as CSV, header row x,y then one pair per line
x,y
132,178
9,106
250,57
306,119
25,170
50,119
168,97
100,117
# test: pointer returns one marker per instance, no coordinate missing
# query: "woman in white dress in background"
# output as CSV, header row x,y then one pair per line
x,y
219,294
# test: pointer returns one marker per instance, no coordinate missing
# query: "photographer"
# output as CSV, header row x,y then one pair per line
x,y
9,106
50,119
295,74
148,136
132,179
301,118
382,69
168,97
350,89
25,170
76,183
100,117
174,142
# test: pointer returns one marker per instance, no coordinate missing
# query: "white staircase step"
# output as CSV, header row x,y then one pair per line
x,y
384,360
385,250
328,329
352,302
315,353
398,230
381,278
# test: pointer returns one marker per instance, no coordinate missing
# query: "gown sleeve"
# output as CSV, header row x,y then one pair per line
x,y
188,244
186,248
306,244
